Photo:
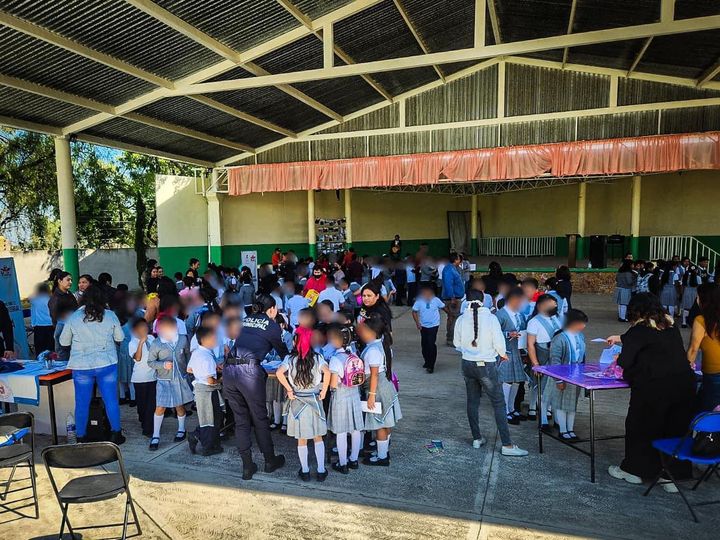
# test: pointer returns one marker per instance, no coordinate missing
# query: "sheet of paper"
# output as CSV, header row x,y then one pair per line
x,y
522,340
599,340
608,355
376,410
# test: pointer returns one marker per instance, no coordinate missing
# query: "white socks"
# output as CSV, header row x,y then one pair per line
x,y
622,311
671,310
570,420
181,423
561,419
157,423
303,455
356,441
341,442
277,412
510,391
382,448
320,456
685,314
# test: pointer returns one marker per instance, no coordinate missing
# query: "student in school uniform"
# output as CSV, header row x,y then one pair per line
x,y
332,293
541,328
511,372
377,357
567,347
296,304
204,368
478,284
306,378
168,356
274,391
551,288
411,279
668,287
143,376
40,319
345,416
690,281
426,313
530,288
625,284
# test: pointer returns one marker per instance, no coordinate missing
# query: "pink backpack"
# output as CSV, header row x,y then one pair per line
x,y
354,371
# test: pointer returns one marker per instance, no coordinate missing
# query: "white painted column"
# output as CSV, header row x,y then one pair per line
x,y
66,204
348,217
580,240
312,240
635,216
474,224
214,225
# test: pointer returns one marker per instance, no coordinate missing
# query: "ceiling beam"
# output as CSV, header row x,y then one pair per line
x,y
709,74
667,10
176,23
463,55
479,23
224,66
571,23
205,100
313,27
640,54
25,125
494,21
101,141
420,41
59,95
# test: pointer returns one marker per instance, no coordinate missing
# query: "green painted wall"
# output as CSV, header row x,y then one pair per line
x,y
176,258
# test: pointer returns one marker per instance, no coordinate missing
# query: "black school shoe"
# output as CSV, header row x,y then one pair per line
x,y
342,469
117,437
249,470
353,465
304,476
321,476
274,463
377,462
154,444
132,403
513,420
180,436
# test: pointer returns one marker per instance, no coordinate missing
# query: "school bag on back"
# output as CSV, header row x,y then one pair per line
x,y
354,370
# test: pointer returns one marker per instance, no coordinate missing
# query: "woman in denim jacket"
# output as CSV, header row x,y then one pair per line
x,y
92,333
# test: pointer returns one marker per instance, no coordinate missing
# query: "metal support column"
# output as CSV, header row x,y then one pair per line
x,y
66,202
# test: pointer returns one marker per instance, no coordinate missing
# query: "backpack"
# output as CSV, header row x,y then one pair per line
x,y
354,370
98,426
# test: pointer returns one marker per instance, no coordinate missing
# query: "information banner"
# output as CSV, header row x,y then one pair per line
x,y
10,294
249,259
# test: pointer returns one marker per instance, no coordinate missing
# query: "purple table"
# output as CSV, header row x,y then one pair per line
x,y
577,374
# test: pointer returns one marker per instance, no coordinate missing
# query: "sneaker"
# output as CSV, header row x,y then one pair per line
x,y
670,487
616,472
477,443
514,450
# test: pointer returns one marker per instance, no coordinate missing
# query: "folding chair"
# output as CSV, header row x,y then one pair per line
x,y
89,488
680,448
18,454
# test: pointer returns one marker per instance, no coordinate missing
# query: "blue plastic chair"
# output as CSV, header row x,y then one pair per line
x,y
680,448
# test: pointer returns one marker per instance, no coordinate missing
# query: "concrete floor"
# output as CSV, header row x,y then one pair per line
x,y
463,493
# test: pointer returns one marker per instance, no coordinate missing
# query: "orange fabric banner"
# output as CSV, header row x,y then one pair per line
x,y
637,155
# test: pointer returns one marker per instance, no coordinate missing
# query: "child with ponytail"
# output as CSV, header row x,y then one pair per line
x,y
481,341
377,358
305,376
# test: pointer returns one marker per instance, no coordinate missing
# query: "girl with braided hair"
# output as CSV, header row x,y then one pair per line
x,y
481,341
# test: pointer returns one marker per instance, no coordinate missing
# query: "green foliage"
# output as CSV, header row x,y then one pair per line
x,y
114,194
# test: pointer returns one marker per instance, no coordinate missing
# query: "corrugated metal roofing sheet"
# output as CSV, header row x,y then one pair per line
x,y
317,8
127,131
686,55
120,30
240,24
195,115
686,9
27,58
34,108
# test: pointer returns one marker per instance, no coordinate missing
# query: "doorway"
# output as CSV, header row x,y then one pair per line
x,y
459,231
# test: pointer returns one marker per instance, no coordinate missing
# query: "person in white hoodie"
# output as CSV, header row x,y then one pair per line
x,y
481,341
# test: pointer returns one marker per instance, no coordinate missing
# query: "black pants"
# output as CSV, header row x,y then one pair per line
x,y
209,436
43,338
412,289
400,294
145,400
428,343
657,411
244,387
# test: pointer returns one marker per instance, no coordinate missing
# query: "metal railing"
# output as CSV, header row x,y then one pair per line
x,y
665,247
518,246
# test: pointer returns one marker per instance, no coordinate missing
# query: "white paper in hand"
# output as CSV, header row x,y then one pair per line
x,y
522,339
376,410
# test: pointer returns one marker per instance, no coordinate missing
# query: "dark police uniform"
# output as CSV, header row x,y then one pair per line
x,y
244,382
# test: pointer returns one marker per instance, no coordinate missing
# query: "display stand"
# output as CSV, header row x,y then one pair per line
x,y
330,234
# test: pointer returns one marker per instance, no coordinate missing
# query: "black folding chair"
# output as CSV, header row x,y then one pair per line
x,y
18,454
89,488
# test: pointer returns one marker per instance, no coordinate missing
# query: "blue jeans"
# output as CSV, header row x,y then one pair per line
x,y
710,392
477,378
107,381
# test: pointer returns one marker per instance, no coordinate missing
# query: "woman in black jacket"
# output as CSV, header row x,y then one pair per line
x,y
61,299
662,389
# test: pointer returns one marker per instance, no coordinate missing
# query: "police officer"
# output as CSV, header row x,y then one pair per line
x,y
244,383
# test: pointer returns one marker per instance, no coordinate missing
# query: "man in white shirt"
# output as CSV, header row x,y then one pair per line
x,y
333,294
204,368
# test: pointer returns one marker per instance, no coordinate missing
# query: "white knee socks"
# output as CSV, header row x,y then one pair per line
x,y
382,449
671,310
157,424
181,423
303,455
510,391
685,314
341,442
570,420
320,456
561,419
622,311
356,442
532,403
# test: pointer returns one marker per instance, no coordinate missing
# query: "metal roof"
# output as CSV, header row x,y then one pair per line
x,y
117,71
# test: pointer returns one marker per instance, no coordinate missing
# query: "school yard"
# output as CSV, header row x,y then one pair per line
x,y
463,493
